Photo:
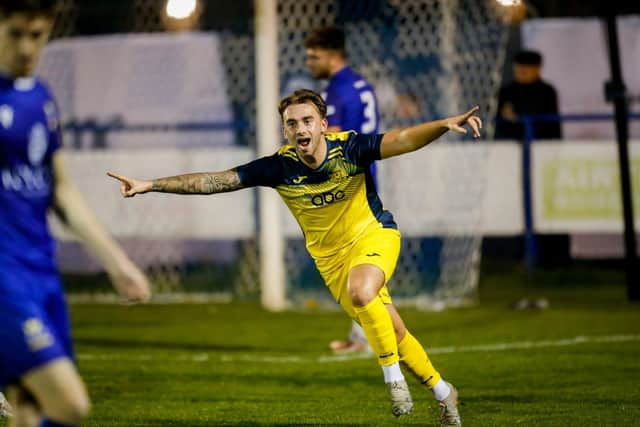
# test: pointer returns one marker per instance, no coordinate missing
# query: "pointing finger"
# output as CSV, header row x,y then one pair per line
x,y
116,176
471,112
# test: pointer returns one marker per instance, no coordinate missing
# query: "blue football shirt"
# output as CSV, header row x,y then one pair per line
x,y
29,136
352,105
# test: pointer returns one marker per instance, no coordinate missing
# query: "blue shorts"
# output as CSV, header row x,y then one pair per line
x,y
34,323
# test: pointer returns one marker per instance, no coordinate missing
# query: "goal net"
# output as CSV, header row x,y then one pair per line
x,y
426,58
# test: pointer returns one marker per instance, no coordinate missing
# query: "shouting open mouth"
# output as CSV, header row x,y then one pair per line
x,y
303,142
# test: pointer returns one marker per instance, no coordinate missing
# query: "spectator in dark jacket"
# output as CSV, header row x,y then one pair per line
x,y
527,94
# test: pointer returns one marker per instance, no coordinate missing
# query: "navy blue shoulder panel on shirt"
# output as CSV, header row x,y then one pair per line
x,y
362,149
266,171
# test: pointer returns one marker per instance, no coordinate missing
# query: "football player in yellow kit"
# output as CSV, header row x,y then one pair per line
x,y
325,181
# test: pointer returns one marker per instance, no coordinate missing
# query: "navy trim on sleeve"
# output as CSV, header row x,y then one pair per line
x,y
265,171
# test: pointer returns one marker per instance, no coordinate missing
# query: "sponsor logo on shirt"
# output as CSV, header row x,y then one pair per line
x,y
32,179
24,179
327,198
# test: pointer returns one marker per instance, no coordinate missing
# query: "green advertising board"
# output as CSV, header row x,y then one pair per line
x,y
586,189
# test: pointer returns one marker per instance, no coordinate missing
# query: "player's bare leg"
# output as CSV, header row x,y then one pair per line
x,y
25,411
59,391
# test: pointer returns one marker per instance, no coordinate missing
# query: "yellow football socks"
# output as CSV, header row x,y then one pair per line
x,y
376,323
413,356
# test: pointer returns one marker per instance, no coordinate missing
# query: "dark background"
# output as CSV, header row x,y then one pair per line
x,y
117,16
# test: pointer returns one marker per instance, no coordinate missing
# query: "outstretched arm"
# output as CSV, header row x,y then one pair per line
x,y
190,183
127,278
400,141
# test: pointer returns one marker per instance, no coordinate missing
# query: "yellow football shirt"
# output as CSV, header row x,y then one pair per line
x,y
334,203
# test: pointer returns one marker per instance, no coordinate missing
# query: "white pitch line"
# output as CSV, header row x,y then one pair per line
x,y
580,339
229,358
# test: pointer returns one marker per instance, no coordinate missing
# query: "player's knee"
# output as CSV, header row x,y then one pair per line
x,y
364,283
361,295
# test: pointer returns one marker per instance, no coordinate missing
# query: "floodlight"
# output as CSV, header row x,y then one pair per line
x,y
181,15
180,9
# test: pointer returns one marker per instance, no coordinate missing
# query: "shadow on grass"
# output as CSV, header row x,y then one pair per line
x,y
164,345
255,424
181,423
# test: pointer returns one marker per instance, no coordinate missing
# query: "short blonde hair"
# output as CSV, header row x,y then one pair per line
x,y
303,96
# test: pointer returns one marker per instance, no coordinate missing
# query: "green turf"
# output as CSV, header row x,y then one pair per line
x,y
210,365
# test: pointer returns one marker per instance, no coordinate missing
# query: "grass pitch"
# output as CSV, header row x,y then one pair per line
x,y
574,364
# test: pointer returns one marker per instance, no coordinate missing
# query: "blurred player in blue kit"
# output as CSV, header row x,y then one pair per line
x,y
36,356
325,181
351,105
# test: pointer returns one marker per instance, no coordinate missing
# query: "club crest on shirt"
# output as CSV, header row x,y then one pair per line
x,y
36,334
6,116
38,144
339,175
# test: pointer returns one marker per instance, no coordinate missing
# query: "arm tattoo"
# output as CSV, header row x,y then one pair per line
x,y
199,183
